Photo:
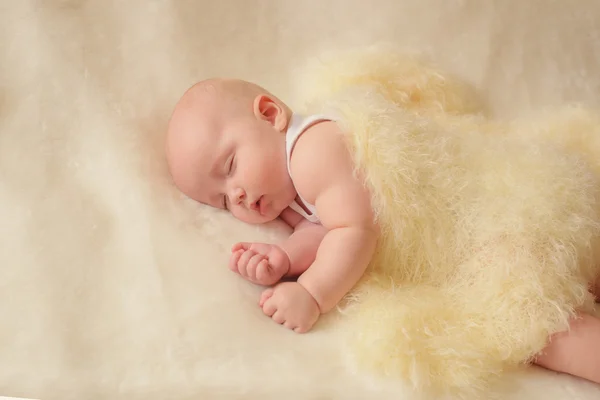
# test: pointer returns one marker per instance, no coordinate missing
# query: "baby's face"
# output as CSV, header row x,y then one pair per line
x,y
237,165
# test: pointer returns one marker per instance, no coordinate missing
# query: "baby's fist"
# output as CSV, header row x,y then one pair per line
x,y
260,263
290,305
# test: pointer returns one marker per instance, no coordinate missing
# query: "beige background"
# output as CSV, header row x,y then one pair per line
x,y
112,285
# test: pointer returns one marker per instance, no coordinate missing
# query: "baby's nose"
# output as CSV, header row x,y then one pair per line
x,y
238,195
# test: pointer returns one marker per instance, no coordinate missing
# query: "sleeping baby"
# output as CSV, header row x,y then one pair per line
x,y
233,145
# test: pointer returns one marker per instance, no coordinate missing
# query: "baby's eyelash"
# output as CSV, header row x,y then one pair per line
x,y
231,164
225,202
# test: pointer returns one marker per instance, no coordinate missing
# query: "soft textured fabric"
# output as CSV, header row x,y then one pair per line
x,y
115,286
490,228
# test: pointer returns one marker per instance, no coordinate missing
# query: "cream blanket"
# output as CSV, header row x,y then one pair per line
x,y
113,285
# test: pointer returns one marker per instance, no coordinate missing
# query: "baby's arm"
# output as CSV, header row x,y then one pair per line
x,y
301,246
323,172
266,264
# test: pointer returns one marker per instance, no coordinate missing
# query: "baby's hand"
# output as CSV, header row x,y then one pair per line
x,y
260,263
291,305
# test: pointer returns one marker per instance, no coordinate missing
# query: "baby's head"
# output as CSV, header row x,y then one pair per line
x,y
225,147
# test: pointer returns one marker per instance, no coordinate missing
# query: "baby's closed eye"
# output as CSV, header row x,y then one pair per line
x,y
231,165
230,168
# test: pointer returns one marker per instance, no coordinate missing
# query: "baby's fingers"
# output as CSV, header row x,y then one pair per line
x,y
266,295
234,260
290,325
253,263
278,317
240,246
242,264
264,272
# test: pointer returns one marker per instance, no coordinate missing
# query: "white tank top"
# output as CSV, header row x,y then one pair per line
x,y
299,124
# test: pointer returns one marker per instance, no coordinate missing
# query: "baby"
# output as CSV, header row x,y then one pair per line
x,y
233,145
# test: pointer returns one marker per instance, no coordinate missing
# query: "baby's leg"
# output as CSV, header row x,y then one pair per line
x,y
576,352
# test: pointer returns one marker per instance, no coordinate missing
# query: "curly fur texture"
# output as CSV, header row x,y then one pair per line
x,y
490,228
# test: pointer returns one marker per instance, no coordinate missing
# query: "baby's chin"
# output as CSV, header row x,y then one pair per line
x,y
257,219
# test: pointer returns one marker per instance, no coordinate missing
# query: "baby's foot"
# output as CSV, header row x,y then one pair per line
x,y
260,263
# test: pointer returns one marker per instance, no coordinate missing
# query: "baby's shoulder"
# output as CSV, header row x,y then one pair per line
x,y
325,132
318,145
320,157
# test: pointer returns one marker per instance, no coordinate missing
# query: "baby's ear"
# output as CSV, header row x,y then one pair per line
x,y
267,109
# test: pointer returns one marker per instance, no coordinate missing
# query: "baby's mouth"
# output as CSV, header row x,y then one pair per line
x,y
258,205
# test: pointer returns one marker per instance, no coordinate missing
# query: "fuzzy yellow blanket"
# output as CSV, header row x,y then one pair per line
x,y
490,228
